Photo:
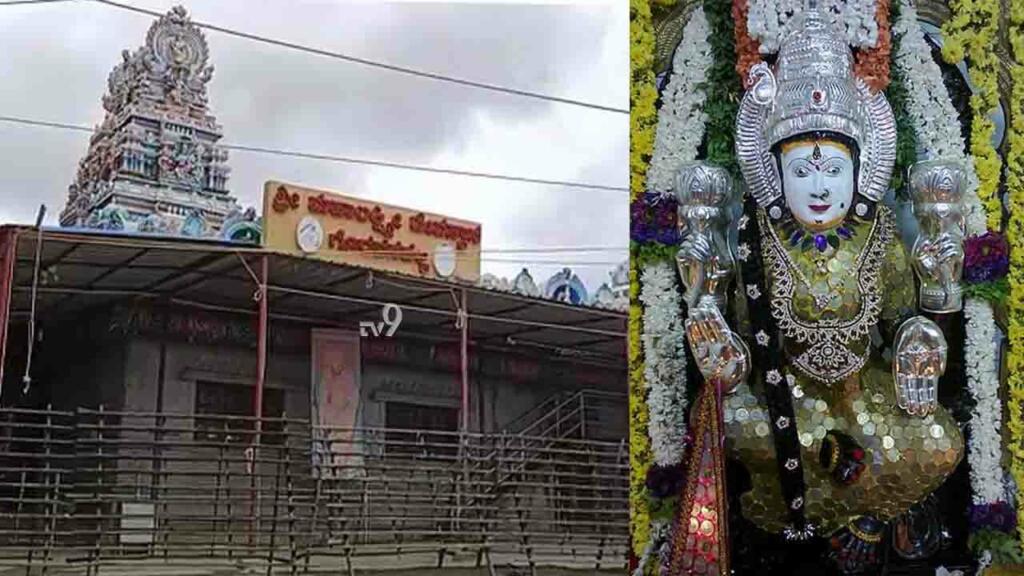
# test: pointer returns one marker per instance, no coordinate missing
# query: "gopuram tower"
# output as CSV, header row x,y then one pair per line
x,y
154,164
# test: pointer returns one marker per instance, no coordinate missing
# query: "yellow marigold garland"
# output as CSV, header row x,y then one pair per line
x,y
639,444
643,120
1015,234
643,117
972,31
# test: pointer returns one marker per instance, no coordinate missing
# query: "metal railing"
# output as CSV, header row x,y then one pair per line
x,y
95,489
567,414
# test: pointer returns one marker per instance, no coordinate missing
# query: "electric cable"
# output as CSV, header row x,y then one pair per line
x,y
346,160
375,63
17,2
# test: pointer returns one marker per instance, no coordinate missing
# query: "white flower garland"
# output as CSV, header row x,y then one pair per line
x,y
938,131
681,119
930,110
770,21
655,546
681,123
664,343
984,451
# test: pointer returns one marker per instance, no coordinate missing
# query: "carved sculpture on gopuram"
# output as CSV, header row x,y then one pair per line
x,y
154,165
816,359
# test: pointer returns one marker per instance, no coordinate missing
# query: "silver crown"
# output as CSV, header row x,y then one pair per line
x,y
816,90
812,89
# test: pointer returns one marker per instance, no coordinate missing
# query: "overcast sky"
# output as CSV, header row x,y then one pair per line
x,y
55,58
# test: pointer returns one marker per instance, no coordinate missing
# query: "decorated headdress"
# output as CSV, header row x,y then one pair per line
x,y
813,89
816,90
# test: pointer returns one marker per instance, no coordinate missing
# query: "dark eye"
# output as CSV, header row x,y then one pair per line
x,y
834,170
802,172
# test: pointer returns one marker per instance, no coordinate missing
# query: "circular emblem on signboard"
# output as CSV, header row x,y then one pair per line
x,y
444,259
309,234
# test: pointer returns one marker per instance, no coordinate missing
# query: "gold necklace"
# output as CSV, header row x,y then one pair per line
x,y
821,259
824,344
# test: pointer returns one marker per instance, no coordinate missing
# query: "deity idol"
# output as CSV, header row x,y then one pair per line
x,y
838,423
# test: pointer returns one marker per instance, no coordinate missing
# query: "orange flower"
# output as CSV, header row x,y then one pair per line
x,y
747,49
872,64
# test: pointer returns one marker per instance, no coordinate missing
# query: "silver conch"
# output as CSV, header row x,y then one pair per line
x,y
919,362
812,89
937,188
704,194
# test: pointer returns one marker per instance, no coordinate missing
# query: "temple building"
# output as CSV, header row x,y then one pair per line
x,y
154,165
198,366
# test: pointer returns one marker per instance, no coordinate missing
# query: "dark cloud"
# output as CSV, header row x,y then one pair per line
x,y
56,57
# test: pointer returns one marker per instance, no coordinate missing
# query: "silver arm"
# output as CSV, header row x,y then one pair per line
x,y
938,255
706,265
704,194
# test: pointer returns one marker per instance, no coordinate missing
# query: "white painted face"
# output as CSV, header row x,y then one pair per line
x,y
818,181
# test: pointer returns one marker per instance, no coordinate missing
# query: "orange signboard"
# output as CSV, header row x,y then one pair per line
x,y
329,226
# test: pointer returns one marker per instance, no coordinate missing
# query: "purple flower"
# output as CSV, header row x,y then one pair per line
x,y
997,516
665,481
986,258
653,219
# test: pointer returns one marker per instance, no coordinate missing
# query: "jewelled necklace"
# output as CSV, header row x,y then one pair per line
x,y
821,245
797,236
820,300
828,356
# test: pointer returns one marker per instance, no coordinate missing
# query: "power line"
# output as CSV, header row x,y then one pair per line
x,y
541,250
17,2
484,256
374,63
345,159
400,166
466,253
463,257
562,263
557,250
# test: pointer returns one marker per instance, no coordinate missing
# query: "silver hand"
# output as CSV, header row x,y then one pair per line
x,y
919,362
693,258
719,352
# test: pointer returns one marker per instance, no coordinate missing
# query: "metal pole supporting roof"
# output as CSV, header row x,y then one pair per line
x,y
8,254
